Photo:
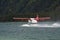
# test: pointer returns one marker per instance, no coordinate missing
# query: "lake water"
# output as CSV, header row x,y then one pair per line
x,y
14,31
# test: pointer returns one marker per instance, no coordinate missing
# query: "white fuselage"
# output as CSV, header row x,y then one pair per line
x,y
32,20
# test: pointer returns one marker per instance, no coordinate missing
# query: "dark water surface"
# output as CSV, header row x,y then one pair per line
x,y
13,31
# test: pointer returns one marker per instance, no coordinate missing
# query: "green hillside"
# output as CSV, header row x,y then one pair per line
x,y
29,8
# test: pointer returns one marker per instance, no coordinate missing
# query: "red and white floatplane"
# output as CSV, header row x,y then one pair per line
x,y
32,21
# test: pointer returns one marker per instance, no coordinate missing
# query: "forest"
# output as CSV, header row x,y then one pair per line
x,y
29,8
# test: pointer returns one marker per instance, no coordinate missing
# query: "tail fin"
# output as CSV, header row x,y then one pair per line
x,y
37,18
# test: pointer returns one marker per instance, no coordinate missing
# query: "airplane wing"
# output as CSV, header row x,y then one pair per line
x,y
37,18
20,18
44,18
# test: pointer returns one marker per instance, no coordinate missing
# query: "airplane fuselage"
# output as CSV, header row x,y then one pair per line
x,y
32,20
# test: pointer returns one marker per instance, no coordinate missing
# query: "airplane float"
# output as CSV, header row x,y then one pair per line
x,y
32,20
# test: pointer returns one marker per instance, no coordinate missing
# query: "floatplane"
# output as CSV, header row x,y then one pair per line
x,y
32,21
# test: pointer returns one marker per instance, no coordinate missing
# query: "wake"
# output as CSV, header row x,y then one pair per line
x,y
42,25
